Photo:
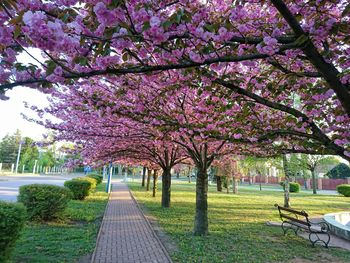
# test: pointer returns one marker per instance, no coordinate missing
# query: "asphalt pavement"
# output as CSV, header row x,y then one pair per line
x,y
9,184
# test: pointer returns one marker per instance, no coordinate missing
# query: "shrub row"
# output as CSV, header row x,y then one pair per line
x,y
39,202
293,187
344,189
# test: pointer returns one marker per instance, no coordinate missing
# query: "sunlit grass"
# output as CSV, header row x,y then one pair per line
x,y
238,232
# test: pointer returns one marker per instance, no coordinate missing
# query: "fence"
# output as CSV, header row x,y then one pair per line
x,y
322,183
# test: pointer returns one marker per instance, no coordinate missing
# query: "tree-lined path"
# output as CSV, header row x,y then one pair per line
x,y
125,235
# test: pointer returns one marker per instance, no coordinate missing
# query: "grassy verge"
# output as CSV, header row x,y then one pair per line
x,y
238,232
65,241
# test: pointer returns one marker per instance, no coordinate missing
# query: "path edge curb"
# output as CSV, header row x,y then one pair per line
x,y
100,229
150,226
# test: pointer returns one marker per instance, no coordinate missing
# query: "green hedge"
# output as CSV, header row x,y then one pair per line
x,y
79,187
98,178
12,219
293,187
344,189
44,201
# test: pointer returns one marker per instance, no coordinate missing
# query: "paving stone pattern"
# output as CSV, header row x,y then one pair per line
x,y
125,235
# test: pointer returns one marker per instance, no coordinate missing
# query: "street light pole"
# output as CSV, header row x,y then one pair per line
x,y
18,155
36,161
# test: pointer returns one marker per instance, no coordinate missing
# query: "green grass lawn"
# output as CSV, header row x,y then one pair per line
x,y
238,232
65,241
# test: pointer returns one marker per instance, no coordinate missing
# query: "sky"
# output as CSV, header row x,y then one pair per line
x,y
10,110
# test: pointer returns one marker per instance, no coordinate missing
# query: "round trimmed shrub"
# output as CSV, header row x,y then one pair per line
x,y
44,202
12,219
98,178
89,179
79,188
344,189
293,187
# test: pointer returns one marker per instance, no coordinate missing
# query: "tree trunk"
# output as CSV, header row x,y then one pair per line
x,y
314,182
228,181
218,184
148,179
166,185
155,182
235,185
144,169
201,217
286,182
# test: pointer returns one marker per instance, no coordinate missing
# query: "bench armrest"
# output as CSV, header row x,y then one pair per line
x,y
324,227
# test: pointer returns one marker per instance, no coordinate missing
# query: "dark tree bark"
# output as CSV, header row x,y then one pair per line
x,y
166,187
228,181
155,182
314,182
218,184
235,185
201,217
286,182
144,169
148,179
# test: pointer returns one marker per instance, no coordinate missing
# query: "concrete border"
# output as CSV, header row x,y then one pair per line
x,y
336,227
150,226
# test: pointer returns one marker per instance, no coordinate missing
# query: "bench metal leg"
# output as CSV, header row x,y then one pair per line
x,y
285,227
318,239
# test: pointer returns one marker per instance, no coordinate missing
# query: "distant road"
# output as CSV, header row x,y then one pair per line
x,y
9,184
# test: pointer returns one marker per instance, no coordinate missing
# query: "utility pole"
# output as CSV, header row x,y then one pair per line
x,y
18,155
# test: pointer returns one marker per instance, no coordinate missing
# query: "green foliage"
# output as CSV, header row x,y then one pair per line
x,y
81,187
47,159
12,219
344,189
340,171
29,154
304,164
43,201
293,187
9,147
97,177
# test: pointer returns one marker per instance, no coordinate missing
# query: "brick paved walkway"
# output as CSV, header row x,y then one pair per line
x,y
125,235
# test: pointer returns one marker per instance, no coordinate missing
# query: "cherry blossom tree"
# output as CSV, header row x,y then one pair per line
x,y
290,56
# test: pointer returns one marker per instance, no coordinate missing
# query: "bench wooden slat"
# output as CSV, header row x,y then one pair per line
x,y
302,213
294,219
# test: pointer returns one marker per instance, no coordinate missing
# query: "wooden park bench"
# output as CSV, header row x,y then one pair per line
x,y
299,220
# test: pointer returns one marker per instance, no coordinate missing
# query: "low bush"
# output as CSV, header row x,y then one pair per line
x,y
12,219
98,178
344,189
80,188
293,187
89,179
44,201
